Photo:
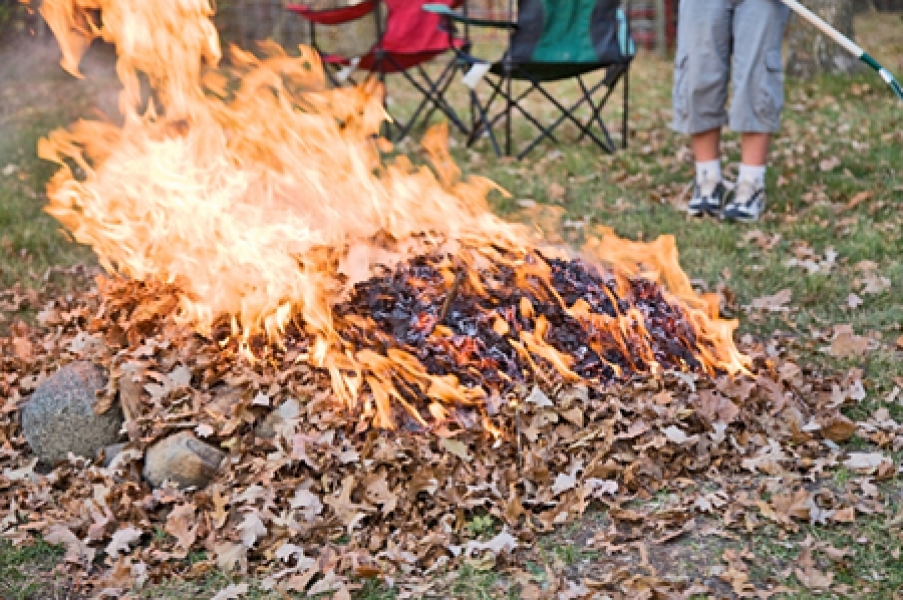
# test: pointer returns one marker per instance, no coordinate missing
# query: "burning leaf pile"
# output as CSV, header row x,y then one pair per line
x,y
357,353
494,332
311,495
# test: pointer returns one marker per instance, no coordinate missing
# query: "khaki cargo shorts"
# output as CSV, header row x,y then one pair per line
x,y
709,34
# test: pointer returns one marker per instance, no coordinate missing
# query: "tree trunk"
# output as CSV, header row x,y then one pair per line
x,y
811,52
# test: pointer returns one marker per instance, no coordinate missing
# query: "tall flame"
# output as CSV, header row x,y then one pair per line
x,y
262,195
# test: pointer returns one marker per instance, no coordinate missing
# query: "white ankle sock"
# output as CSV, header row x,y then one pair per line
x,y
708,171
754,174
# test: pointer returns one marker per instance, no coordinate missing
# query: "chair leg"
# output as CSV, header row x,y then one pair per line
x,y
484,123
437,90
566,114
597,109
433,98
610,83
508,107
484,110
624,130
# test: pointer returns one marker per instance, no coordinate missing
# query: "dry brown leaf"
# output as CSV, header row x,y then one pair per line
x,y
77,552
251,528
814,579
829,164
457,447
866,462
556,192
859,198
875,284
797,505
23,348
122,540
232,592
839,428
179,525
774,303
846,343
844,515
503,542
347,511
229,555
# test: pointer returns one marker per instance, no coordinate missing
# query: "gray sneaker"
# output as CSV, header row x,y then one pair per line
x,y
746,204
707,199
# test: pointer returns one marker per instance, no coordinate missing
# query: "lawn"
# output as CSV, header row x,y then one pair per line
x,y
825,264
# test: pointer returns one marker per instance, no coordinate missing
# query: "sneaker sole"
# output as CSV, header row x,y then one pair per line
x,y
740,219
694,212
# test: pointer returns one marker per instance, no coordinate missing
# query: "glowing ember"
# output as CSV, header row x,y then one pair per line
x,y
261,195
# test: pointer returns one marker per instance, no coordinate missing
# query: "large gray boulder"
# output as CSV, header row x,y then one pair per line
x,y
182,459
59,417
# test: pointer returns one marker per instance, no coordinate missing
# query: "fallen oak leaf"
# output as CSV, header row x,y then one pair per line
x,y
230,554
844,515
858,199
232,591
677,435
829,164
538,398
846,343
77,552
838,428
122,540
563,483
774,303
503,542
867,462
456,447
875,284
814,579
251,528
178,525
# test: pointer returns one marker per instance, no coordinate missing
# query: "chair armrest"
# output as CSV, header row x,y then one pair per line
x,y
445,11
334,16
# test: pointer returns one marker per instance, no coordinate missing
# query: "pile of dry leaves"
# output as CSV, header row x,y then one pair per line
x,y
316,499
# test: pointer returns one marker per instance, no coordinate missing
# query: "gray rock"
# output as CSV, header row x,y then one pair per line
x,y
111,452
59,417
182,459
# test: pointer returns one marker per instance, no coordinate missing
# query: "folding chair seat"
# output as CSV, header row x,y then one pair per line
x,y
549,41
403,40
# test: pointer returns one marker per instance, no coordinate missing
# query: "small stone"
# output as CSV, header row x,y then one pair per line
x,y
182,459
59,417
111,452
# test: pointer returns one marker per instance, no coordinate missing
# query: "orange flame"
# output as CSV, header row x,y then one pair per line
x,y
263,195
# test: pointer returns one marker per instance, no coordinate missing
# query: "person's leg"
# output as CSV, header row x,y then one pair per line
x,y
701,74
754,148
755,112
706,145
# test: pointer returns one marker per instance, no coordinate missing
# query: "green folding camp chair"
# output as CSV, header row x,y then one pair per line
x,y
549,40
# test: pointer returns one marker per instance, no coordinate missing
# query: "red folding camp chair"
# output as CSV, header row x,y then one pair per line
x,y
405,38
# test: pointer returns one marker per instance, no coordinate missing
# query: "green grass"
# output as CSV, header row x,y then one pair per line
x,y
19,566
635,192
